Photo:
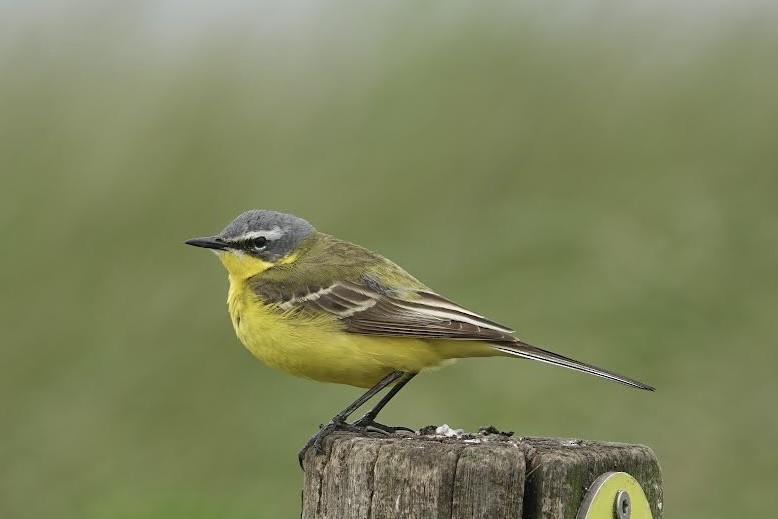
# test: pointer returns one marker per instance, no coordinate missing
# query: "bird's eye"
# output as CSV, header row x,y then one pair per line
x,y
258,243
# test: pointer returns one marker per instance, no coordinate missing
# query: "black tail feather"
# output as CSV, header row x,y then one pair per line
x,y
528,351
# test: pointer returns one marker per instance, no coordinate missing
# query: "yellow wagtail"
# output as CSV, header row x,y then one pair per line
x,y
329,310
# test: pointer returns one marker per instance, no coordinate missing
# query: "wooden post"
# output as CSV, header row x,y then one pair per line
x,y
476,476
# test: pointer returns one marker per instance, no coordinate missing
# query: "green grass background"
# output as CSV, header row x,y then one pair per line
x,y
600,175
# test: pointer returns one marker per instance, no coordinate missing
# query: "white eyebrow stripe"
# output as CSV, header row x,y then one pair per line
x,y
272,234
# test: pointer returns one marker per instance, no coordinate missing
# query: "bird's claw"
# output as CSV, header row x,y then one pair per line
x,y
367,423
364,424
316,441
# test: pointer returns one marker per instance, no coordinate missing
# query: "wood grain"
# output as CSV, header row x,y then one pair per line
x,y
483,476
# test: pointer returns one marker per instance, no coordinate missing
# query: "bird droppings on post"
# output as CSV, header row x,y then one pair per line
x,y
445,431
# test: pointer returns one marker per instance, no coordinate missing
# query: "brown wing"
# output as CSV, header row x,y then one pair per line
x,y
368,309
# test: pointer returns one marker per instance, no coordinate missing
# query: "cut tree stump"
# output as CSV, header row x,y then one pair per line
x,y
488,475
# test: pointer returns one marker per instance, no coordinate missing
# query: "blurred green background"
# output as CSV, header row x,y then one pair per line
x,y
600,175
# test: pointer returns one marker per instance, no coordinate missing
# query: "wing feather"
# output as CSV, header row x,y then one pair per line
x,y
362,308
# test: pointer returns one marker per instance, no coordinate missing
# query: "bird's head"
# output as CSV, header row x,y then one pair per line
x,y
257,240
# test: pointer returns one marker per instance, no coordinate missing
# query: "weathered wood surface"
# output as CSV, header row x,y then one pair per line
x,y
483,476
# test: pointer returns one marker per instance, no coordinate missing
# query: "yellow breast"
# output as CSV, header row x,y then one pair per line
x,y
318,349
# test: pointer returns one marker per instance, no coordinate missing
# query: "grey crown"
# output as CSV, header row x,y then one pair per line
x,y
284,232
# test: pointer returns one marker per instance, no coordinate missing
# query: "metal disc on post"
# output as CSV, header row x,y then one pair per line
x,y
615,495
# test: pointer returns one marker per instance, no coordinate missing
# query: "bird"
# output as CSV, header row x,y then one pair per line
x,y
323,308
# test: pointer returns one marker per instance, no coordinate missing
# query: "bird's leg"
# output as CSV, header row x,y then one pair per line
x,y
339,420
368,421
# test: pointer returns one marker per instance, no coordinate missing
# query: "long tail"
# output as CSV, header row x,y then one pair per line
x,y
528,351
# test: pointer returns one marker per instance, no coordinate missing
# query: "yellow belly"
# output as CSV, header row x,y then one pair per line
x,y
318,349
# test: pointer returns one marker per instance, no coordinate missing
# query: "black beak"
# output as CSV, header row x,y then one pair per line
x,y
207,243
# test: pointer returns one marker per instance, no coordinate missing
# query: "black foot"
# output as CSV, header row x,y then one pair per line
x,y
317,439
368,424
